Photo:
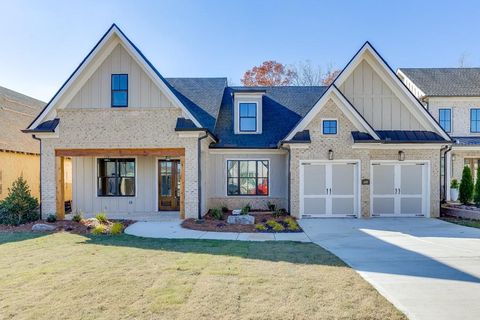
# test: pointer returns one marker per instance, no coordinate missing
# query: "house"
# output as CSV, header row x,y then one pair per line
x,y
363,146
452,96
19,154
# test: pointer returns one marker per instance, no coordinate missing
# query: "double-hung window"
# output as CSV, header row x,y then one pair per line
x,y
119,90
247,177
445,119
474,120
116,177
247,117
329,126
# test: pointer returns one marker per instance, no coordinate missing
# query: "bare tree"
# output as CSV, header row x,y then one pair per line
x,y
463,60
306,74
330,75
269,73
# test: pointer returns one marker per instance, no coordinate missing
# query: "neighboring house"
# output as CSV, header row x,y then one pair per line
x,y
452,96
19,154
363,146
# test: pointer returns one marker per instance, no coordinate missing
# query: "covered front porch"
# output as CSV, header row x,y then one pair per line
x,y
145,184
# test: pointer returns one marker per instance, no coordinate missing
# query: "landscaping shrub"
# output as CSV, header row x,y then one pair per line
x,y
454,184
19,206
117,228
466,186
476,191
279,212
51,218
246,209
217,213
260,227
271,206
102,218
100,229
77,217
277,227
224,209
292,225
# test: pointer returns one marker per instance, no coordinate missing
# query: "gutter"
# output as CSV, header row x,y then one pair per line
x,y
199,157
445,150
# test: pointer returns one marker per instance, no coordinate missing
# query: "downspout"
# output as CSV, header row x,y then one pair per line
x,y
444,150
199,157
34,137
288,177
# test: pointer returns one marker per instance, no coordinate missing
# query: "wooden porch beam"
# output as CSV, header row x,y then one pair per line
x,y
158,152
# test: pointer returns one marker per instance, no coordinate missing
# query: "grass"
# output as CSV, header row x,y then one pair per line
x,y
63,275
463,222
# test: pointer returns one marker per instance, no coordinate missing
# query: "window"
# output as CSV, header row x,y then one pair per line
x,y
119,90
329,126
474,120
248,117
445,119
116,177
247,177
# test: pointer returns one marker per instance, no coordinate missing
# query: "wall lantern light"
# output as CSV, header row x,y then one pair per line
x,y
330,154
401,155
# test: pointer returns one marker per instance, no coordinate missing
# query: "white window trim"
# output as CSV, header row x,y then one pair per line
x,y
237,122
95,189
451,117
225,182
329,134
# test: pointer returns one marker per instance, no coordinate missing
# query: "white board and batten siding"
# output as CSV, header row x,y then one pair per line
x,y
376,101
142,91
84,188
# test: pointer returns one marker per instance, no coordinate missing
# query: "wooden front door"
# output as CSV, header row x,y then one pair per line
x,y
169,183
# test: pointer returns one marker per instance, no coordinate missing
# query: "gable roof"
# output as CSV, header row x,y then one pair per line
x,y
156,77
16,111
445,82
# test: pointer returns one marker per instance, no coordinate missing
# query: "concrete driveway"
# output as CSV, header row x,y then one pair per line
x,y
427,268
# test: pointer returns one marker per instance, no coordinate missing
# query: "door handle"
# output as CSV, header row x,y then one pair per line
x,y
330,190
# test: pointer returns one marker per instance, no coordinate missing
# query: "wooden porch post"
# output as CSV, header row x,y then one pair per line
x,y
60,187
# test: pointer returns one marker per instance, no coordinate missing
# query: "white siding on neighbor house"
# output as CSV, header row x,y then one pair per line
x,y
460,114
217,184
84,188
142,92
376,101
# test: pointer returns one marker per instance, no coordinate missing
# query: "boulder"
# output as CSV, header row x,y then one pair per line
x,y
42,227
241,219
236,212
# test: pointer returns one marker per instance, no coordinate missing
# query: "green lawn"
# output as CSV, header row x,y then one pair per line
x,y
463,222
67,276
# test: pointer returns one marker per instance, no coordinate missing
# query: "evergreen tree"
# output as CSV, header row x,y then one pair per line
x,y
476,191
19,206
466,186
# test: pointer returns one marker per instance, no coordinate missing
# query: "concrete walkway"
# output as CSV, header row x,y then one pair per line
x,y
172,230
427,268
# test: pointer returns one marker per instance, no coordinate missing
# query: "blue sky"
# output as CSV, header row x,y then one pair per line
x,y
43,41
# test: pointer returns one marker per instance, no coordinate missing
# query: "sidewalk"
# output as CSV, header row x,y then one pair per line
x,y
173,230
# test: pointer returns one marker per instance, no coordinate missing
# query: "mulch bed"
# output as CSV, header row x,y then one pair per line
x,y
60,226
210,224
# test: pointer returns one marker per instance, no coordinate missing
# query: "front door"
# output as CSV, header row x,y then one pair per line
x,y
169,185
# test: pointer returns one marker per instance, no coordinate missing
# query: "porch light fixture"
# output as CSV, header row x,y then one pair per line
x,y
401,155
330,154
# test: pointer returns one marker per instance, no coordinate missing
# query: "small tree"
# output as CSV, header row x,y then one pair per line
x,y
476,191
19,206
466,186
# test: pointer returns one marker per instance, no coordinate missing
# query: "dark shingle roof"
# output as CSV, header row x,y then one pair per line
x,y
16,112
463,82
399,136
283,108
201,96
301,137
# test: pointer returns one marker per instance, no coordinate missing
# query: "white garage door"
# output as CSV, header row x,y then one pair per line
x,y
329,189
399,189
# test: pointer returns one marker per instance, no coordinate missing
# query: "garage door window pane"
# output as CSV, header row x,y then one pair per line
x,y
314,176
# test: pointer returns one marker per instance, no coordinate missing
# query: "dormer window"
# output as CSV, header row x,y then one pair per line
x,y
119,90
248,116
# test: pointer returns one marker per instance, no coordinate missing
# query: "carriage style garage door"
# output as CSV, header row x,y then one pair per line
x,y
399,189
329,189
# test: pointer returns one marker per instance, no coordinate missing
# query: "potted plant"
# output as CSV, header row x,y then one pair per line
x,y
454,190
